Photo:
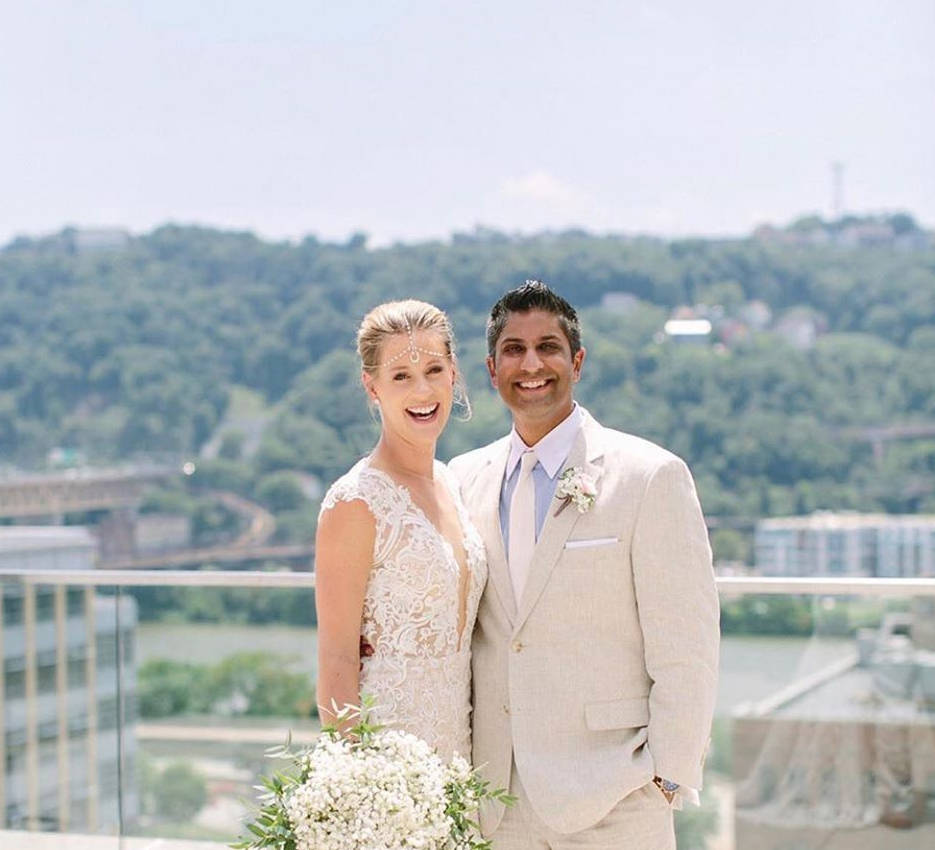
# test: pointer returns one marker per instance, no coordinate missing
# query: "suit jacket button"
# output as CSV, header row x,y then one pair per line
x,y
517,647
506,709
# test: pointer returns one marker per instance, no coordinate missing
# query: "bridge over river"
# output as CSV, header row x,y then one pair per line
x,y
119,491
77,490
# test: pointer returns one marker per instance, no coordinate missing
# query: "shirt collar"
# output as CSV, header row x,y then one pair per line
x,y
553,449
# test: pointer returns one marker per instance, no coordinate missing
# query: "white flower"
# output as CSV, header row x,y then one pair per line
x,y
377,788
389,792
576,487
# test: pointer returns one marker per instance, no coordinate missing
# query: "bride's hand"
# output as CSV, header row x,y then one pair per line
x,y
366,650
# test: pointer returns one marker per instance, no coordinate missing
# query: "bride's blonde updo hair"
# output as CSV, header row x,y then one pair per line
x,y
401,317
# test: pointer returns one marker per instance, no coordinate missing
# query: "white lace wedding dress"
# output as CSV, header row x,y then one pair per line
x,y
420,671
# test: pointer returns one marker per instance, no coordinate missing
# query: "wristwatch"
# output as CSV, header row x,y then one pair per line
x,y
668,788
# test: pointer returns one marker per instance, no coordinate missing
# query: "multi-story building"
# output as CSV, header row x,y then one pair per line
x,y
67,709
846,544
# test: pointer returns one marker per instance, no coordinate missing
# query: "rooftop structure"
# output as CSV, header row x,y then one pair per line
x,y
691,330
849,747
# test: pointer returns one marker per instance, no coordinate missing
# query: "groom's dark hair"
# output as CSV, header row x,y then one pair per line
x,y
533,295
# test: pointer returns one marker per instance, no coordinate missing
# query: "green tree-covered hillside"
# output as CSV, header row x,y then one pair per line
x,y
134,349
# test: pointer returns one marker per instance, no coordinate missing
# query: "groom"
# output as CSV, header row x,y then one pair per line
x,y
596,645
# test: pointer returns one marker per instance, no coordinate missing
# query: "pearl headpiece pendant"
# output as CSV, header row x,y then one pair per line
x,y
414,351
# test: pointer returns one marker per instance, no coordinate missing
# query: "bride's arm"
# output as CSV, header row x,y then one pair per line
x,y
343,557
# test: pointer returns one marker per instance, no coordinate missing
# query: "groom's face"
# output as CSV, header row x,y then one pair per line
x,y
534,370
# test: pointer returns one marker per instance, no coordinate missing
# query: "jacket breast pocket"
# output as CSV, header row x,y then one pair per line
x,y
596,555
629,713
591,542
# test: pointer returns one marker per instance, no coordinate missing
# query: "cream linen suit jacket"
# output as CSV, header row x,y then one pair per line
x,y
604,673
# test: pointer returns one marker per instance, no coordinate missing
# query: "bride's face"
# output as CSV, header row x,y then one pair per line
x,y
414,398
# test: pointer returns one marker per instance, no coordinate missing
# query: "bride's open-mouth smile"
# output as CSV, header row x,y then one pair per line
x,y
424,413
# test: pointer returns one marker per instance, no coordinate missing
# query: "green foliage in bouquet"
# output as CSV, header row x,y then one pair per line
x,y
270,827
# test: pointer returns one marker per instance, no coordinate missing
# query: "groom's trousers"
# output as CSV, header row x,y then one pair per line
x,y
642,820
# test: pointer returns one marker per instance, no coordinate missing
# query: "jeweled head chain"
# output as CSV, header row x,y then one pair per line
x,y
413,350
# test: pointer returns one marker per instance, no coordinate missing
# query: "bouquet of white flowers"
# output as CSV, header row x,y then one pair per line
x,y
370,788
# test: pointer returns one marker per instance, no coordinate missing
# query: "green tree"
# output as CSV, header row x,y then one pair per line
x,y
281,491
257,683
231,447
166,688
730,545
179,792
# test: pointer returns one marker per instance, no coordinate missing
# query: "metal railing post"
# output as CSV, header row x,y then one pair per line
x,y
61,701
32,707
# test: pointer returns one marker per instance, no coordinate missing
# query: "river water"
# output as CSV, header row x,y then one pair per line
x,y
752,668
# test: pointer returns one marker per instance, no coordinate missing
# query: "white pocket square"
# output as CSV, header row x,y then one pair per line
x,y
593,541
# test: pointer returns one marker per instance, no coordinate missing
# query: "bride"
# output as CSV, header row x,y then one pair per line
x,y
398,563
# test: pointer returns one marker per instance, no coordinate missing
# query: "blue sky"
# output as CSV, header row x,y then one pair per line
x,y
410,120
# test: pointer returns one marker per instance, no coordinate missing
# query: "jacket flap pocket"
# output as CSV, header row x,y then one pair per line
x,y
617,714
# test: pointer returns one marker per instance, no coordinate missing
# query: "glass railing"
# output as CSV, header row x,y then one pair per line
x,y
138,706
824,735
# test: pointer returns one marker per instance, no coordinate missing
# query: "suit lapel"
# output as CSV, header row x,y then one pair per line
x,y
555,529
489,483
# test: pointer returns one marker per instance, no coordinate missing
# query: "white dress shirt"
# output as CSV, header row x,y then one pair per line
x,y
552,451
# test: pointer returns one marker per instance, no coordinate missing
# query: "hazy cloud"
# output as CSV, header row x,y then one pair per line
x,y
544,188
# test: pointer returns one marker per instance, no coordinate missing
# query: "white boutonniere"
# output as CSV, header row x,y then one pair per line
x,y
575,487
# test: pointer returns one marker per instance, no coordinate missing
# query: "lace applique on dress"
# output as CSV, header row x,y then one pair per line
x,y
419,674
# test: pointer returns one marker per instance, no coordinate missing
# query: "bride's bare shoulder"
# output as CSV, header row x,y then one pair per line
x,y
344,539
